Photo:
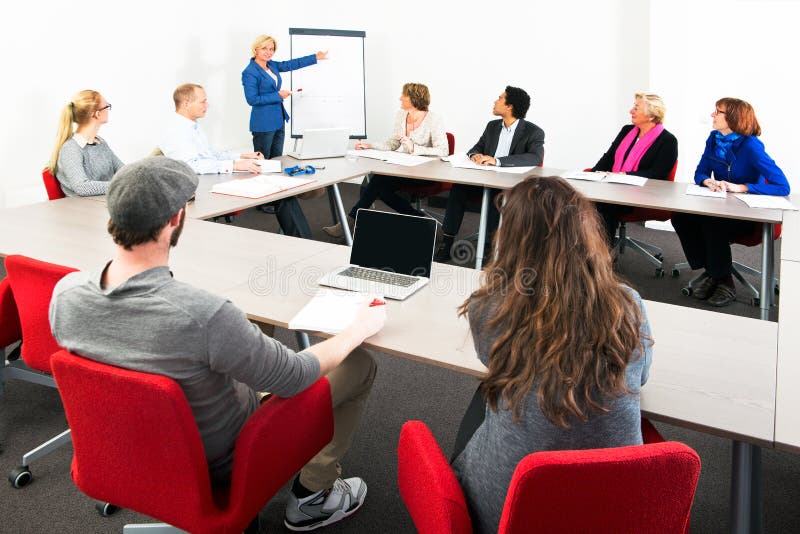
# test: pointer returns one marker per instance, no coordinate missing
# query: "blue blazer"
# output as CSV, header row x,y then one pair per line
x,y
261,92
746,163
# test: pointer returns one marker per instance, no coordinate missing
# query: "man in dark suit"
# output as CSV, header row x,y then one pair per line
x,y
509,141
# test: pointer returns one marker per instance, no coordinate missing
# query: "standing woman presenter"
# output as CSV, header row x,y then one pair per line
x,y
262,89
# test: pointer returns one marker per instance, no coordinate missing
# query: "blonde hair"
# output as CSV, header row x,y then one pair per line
x,y
655,106
184,93
260,42
79,110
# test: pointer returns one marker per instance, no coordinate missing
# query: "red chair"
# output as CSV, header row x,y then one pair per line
x,y
52,185
418,192
137,445
10,329
750,240
32,282
642,488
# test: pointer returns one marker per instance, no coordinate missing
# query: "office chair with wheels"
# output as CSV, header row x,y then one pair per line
x,y
651,253
642,488
51,184
750,240
32,282
418,192
137,445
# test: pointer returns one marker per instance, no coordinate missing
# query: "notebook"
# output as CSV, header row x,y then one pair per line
x,y
323,143
391,255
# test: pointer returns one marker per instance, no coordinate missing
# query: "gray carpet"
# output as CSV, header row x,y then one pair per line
x,y
403,390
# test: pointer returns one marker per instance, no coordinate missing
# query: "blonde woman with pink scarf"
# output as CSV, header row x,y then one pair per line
x,y
643,148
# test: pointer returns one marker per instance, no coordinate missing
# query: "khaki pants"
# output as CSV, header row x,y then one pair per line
x,y
351,381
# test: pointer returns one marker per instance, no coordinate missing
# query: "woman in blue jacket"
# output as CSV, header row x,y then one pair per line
x,y
734,161
262,89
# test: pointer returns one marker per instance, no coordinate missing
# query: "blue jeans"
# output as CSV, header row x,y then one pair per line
x,y
290,215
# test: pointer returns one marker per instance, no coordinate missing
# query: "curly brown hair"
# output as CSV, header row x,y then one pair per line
x,y
563,323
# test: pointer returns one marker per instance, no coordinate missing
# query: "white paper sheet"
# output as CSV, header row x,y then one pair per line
x,y
397,158
328,311
269,165
260,186
461,161
766,201
628,179
700,191
584,175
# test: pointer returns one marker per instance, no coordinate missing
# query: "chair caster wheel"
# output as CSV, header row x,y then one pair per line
x,y
20,476
105,509
686,291
660,273
14,354
675,273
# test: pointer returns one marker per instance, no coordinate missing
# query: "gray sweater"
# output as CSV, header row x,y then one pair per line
x,y
155,324
86,170
489,459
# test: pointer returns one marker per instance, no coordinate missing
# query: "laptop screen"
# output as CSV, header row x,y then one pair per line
x,y
393,242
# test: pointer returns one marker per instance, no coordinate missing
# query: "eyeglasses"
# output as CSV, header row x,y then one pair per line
x,y
107,106
718,112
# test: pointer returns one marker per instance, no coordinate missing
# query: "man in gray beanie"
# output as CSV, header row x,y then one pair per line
x,y
131,313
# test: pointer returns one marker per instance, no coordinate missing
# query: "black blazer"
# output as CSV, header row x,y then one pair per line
x,y
656,163
527,146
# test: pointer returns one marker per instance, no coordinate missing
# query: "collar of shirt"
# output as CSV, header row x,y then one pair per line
x,y
82,141
186,122
511,129
140,283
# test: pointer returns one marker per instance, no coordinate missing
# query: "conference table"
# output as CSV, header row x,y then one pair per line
x,y
655,194
723,386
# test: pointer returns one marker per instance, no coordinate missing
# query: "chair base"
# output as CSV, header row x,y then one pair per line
x,y
651,253
151,528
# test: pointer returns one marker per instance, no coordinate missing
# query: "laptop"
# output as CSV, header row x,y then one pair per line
x,y
323,143
391,255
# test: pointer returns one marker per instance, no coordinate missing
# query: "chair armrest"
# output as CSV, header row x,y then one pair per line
x,y
428,486
277,440
10,329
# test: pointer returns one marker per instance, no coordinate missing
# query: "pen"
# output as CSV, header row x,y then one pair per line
x,y
377,302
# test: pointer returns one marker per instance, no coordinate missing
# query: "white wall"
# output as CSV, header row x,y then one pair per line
x,y
703,50
581,60
136,53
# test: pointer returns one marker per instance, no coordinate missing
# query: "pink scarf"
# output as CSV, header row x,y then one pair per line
x,y
631,163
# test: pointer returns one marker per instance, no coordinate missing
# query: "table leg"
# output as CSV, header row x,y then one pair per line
x,y
342,215
745,510
332,205
482,228
767,248
302,340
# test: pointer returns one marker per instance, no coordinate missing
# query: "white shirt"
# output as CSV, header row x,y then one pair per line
x,y
504,141
185,141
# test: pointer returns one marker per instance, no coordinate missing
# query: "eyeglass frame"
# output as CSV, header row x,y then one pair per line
x,y
718,112
107,106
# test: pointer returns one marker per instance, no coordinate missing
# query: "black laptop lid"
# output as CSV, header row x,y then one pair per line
x,y
393,242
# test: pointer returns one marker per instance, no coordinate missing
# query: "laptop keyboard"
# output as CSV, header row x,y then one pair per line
x,y
382,277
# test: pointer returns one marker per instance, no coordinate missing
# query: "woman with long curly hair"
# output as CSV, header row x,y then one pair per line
x,y
567,345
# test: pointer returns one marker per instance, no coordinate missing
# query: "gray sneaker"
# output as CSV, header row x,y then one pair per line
x,y
325,507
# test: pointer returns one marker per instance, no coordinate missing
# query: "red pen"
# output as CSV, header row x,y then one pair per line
x,y
377,302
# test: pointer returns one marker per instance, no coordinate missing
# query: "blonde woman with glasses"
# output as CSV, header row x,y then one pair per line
x,y
82,161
